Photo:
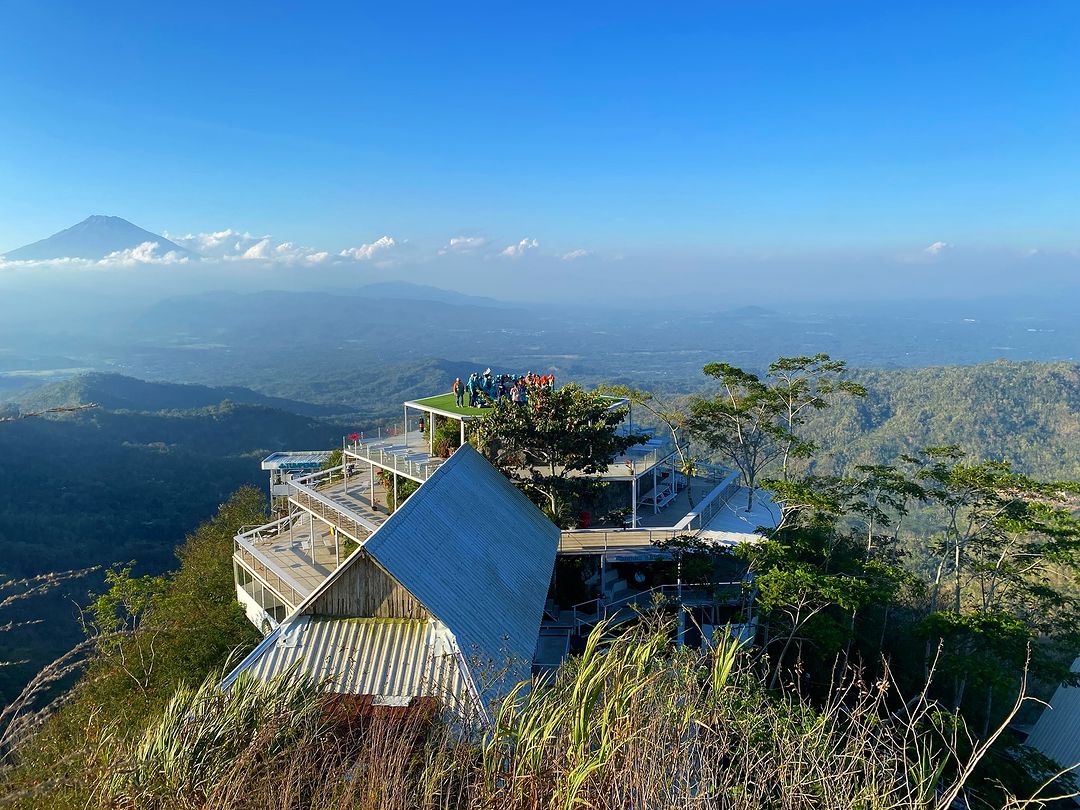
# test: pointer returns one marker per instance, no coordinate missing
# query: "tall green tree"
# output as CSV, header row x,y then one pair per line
x,y
756,422
742,423
1007,548
804,385
554,445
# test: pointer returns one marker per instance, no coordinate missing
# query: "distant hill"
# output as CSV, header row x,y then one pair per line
x,y
94,238
1025,413
117,392
278,317
405,291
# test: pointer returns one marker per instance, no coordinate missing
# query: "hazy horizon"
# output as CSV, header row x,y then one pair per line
x,y
620,153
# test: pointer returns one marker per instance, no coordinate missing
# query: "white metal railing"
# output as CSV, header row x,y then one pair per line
x,y
287,589
603,609
350,522
263,532
395,459
707,508
597,541
635,464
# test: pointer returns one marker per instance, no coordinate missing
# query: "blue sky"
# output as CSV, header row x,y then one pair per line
x,y
751,128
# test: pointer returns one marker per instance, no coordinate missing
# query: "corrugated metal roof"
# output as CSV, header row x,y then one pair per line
x,y
475,551
1057,731
393,659
479,555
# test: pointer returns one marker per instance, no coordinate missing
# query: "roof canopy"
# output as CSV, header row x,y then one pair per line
x,y
470,548
476,552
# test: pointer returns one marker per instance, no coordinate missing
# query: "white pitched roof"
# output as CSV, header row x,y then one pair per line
x,y
392,659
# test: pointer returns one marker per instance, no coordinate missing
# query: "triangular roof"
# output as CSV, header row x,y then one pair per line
x,y
477,553
474,551
1057,731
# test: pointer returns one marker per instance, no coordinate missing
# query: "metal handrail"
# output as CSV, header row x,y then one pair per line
x,y
337,509
709,505
286,590
264,531
618,538
395,461
618,604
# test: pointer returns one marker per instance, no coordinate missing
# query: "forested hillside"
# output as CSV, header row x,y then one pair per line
x,y
1024,413
117,392
101,487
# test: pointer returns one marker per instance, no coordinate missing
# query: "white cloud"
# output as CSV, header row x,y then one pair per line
x,y
145,253
230,245
214,243
937,248
463,244
260,250
576,254
368,251
520,249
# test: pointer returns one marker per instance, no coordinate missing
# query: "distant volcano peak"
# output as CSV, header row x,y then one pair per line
x,y
94,238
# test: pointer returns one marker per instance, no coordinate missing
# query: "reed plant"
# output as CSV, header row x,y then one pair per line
x,y
632,722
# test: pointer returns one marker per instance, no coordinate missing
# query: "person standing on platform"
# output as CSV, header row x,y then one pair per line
x,y
459,391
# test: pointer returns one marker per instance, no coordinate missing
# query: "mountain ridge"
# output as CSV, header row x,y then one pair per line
x,y
118,392
94,238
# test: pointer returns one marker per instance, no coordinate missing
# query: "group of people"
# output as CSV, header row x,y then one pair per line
x,y
488,387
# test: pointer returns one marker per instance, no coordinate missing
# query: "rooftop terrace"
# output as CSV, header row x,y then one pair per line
x,y
446,405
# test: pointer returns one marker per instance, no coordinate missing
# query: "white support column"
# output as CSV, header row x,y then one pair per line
x,y
431,433
655,508
633,502
462,423
337,546
406,407
396,504
371,490
344,467
680,634
602,568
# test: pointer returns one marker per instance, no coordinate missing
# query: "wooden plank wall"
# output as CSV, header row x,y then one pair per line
x,y
366,590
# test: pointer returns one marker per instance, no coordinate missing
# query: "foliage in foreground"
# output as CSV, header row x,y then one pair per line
x,y
150,635
630,723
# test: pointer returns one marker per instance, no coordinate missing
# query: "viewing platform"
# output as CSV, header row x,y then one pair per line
x,y
332,512
406,454
282,562
718,515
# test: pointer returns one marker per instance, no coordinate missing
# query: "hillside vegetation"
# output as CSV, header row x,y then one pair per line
x,y
1024,413
101,487
117,392
875,680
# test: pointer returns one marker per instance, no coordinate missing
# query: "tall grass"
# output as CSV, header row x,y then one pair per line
x,y
630,723
204,736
